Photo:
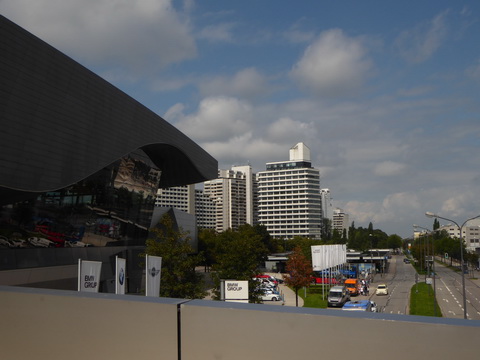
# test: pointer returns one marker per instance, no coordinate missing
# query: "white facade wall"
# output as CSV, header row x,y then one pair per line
x,y
340,221
178,197
233,194
289,197
205,210
470,233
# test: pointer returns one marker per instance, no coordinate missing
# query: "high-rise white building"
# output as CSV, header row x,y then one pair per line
x,y
205,210
289,200
178,197
233,194
340,221
224,203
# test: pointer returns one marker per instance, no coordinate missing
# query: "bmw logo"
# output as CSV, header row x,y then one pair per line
x,y
121,276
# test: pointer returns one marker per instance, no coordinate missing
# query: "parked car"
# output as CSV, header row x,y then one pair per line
x,y
17,243
268,278
40,242
271,297
76,244
382,289
4,242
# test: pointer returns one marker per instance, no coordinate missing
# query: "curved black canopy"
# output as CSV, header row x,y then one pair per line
x,y
61,123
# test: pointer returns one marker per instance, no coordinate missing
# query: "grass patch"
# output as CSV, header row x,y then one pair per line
x,y
314,298
422,301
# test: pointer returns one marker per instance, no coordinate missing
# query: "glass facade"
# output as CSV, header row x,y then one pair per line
x,y
114,204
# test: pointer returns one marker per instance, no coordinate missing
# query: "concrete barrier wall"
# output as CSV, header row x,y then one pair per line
x,y
49,324
45,324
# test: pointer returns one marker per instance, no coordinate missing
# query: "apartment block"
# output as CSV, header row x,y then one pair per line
x,y
340,221
289,199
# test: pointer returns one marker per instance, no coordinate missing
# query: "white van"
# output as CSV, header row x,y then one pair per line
x,y
337,296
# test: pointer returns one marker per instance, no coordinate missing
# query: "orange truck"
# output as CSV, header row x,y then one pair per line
x,y
352,286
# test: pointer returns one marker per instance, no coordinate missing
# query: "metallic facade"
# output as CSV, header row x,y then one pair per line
x,y
80,160
62,123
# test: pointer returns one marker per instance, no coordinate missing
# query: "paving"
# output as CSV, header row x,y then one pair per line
x,y
288,295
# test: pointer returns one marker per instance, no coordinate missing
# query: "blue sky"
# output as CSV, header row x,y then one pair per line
x,y
385,94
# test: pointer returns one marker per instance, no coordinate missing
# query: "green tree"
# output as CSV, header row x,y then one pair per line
x,y
179,279
238,255
273,245
326,229
207,243
394,242
300,271
305,244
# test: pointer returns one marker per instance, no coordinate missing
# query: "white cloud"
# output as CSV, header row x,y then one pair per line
x,y
217,33
389,168
420,43
217,117
474,71
286,129
333,65
140,36
243,149
247,83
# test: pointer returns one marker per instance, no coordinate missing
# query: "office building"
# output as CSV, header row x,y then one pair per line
x,y
233,203
340,221
205,210
178,197
289,200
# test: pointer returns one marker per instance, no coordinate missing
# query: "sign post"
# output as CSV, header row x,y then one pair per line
x,y
89,275
235,290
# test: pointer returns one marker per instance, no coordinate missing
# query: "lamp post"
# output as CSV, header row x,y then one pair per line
x,y
371,254
433,269
433,215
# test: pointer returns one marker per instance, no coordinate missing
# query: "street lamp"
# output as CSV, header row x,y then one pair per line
x,y
433,268
433,215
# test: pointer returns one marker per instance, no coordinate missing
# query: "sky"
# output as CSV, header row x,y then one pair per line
x,y
386,94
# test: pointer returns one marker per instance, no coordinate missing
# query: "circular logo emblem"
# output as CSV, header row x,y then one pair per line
x,y
121,276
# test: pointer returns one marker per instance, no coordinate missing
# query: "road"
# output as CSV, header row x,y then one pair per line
x,y
448,286
400,279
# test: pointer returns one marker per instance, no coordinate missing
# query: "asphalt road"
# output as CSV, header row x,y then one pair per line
x,y
448,287
399,279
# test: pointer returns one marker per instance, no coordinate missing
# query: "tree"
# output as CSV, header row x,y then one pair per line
x,y
207,239
305,244
300,271
273,245
238,255
394,242
179,279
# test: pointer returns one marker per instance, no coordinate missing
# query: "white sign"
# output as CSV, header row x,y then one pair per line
x,y
89,275
328,256
236,291
153,273
120,275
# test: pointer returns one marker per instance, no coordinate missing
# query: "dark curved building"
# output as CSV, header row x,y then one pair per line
x,y
79,157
